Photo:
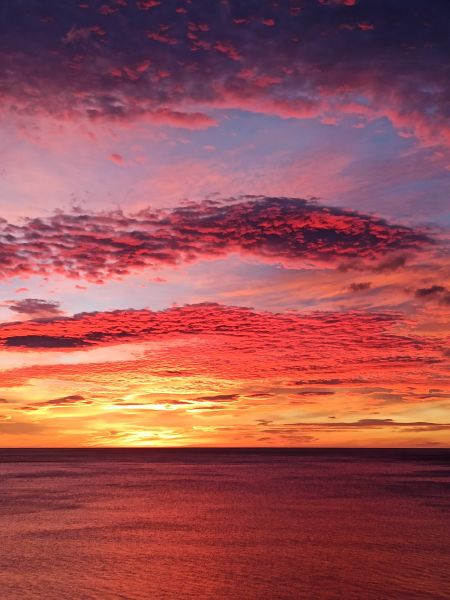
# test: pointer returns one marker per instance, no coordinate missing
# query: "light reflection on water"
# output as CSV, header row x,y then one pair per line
x,y
184,524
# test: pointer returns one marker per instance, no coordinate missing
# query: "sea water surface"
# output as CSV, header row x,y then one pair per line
x,y
224,524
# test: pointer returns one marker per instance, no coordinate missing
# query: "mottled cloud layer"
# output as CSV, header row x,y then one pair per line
x,y
234,342
121,326
179,59
289,231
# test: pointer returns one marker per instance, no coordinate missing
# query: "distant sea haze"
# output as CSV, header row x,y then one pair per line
x,y
224,524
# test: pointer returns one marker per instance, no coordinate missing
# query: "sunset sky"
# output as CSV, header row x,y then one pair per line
x,y
224,223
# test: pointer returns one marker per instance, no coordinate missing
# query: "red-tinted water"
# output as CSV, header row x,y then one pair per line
x,y
224,524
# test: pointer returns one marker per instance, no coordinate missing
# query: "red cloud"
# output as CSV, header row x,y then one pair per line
x,y
147,4
228,49
366,26
162,37
285,230
100,328
353,349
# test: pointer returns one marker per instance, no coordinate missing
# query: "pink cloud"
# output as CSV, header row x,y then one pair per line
x,y
117,159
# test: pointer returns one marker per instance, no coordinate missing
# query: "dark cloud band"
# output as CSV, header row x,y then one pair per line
x,y
291,231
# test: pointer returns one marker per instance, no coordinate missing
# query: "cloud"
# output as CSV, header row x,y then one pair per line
x,y
338,2
117,159
43,341
67,400
10,427
314,392
211,319
354,349
219,398
360,286
177,118
415,426
34,307
327,59
290,231
64,401
438,293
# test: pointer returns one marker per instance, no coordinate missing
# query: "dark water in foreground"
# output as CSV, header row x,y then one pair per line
x,y
224,524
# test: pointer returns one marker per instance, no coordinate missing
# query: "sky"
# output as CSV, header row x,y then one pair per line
x,y
224,223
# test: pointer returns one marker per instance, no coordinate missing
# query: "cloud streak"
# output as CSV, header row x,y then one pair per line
x,y
63,401
415,426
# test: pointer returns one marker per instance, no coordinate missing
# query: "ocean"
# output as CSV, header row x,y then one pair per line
x,y
234,524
